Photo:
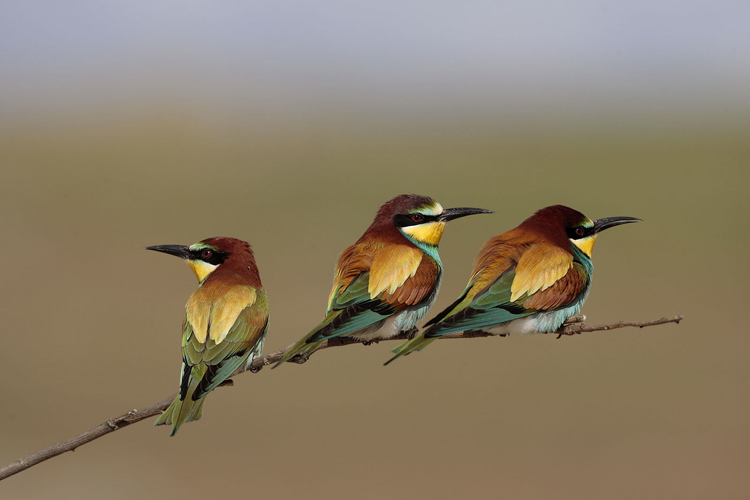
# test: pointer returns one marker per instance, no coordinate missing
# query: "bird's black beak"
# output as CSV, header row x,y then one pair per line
x,y
607,222
455,213
177,250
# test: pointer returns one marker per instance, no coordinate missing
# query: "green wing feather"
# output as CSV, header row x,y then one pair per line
x,y
472,311
492,306
206,365
350,310
489,307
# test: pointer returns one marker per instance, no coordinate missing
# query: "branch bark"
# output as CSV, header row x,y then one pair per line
x,y
134,416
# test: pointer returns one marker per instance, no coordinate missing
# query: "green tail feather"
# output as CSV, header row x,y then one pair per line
x,y
416,344
180,412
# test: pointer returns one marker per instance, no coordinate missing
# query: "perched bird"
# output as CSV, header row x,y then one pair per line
x,y
225,324
387,280
527,280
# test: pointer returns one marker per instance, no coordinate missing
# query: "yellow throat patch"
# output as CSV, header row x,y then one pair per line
x,y
586,244
429,233
201,269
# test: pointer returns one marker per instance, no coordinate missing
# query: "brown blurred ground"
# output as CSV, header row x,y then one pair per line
x,y
92,321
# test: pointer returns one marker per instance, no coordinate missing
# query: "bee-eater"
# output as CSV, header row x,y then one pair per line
x,y
527,280
225,323
387,280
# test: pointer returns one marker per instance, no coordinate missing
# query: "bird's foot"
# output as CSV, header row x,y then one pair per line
x,y
411,332
367,342
300,358
578,318
255,370
571,326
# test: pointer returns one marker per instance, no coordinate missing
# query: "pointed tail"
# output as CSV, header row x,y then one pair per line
x,y
416,344
181,411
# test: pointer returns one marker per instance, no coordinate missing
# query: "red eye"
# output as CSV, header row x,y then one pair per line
x,y
417,217
206,254
579,231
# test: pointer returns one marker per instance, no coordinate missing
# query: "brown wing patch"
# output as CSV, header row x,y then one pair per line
x,y
392,266
498,255
561,293
352,262
417,287
398,274
540,267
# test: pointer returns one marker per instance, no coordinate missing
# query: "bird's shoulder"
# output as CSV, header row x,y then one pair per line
x,y
520,259
396,272
540,266
563,292
499,255
417,286
213,309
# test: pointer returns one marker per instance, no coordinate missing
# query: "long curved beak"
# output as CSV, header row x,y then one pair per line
x,y
455,213
607,222
176,250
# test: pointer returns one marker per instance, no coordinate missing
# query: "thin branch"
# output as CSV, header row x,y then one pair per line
x,y
134,416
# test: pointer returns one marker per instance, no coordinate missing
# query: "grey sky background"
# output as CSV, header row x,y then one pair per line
x,y
385,57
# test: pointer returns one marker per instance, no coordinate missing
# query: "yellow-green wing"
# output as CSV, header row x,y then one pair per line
x,y
214,361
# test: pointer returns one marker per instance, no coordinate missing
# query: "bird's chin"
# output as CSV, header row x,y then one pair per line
x,y
586,245
429,233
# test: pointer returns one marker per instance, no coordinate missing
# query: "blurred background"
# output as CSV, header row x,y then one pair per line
x,y
288,124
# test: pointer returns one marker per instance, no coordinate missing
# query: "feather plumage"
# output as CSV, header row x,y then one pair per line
x,y
390,276
539,270
226,320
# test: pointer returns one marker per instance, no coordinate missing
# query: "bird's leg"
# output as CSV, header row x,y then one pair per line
x,y
411,332
571,326
578,318
300,358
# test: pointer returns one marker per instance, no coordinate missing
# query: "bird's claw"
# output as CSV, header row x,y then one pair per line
x,y
300,358
411,332
567,326
255,370
578,318
568,330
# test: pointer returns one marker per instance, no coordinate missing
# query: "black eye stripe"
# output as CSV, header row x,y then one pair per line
x,y
579,232
404,220
214,259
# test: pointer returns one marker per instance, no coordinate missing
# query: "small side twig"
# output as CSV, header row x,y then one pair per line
x,y
134,416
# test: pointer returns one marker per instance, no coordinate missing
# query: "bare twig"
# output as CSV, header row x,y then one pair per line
x,y
134,416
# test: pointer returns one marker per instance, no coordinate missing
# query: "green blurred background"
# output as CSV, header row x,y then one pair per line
x,y
287,125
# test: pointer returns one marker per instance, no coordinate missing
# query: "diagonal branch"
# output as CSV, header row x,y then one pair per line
x,y
134,416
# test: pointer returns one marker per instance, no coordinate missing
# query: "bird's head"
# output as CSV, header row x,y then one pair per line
x,y
420,218
206,256
563,225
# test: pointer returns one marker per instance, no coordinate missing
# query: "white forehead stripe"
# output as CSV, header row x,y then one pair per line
x,y
436,209
197,246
